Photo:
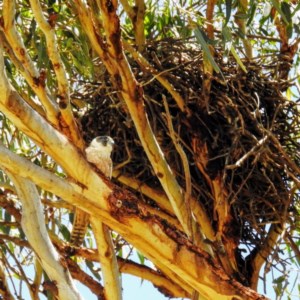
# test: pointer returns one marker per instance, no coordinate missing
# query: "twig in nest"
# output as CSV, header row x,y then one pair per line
x,y
184,159
252,151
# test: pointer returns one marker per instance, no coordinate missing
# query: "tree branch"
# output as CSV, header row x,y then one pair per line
x,y
34,227
85,279
30,72
4,289
158,76
107,258
263,252
241,22
133,96
59,69
158,196
171,251
45,136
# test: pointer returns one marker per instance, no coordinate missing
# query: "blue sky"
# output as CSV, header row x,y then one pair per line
x,y
135,289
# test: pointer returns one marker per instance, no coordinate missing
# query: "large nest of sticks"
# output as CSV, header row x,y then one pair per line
x,y
247,126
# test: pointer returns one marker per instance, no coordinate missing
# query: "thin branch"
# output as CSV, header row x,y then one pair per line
x,y
21,272
209,18
136,16
264,251
287,157
139,24
207,65
158,76
9,269
14,38
86,19
128,9
59,69
158,196
252,151
85,279
34,227
185,163
15,240
4,288
293,245
107,258
157,278
10,207
31,74
241,22
38,276
37,107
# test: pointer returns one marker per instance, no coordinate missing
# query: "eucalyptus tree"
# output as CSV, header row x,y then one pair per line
x,y
202,101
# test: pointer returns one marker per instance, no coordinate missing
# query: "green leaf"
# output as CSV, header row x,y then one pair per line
x,y
120,252
238,60
251,14
141,258
8,65
226,33
200,38
276,4
7,217
32,30
280,279
286,9
90,265
240,33
289,30
65,232
228,6
11,247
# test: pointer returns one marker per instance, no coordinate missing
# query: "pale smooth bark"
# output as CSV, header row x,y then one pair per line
x,y
166,246
108,260
33,225
174,255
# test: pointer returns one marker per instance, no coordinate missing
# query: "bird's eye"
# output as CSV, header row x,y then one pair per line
x,y
102,140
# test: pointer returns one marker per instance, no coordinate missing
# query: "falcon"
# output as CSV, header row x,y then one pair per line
x,y
97,153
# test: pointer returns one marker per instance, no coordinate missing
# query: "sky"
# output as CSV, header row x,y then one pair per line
x,y
135,289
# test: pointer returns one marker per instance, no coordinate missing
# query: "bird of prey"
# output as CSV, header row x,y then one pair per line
x,y
98,153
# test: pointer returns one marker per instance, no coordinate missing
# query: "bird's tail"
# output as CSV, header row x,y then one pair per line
x,y
80,225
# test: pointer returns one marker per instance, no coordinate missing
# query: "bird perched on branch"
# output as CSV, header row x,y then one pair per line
x,y
98,153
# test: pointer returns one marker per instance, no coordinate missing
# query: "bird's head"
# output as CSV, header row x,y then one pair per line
x,y
103,143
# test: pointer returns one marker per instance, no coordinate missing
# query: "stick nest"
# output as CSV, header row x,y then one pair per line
x,y
250,131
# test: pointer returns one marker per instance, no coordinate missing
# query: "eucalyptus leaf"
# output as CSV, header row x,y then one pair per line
x,y
238,60
202,42
91,267
277,5
141,257
286,10
228,5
